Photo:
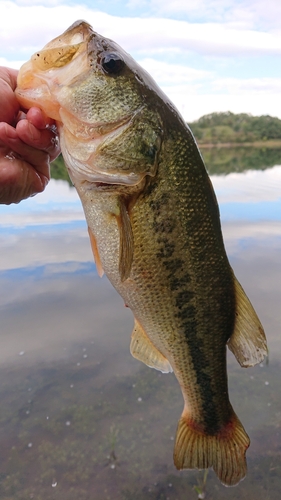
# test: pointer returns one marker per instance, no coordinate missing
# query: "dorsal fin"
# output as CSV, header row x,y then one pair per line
x,y
248,341
144,350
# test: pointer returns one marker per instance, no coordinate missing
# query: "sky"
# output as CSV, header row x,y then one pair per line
x,y
207,55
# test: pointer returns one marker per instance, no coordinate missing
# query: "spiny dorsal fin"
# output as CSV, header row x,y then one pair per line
x,y
96,254
143,350
126,242
248,341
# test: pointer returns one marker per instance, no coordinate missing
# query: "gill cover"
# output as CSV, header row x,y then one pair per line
x,y
97,94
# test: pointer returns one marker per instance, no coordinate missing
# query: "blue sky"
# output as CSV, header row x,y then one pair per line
x,y
207,55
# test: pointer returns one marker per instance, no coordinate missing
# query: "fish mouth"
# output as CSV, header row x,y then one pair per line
x,y
34,91
104,186
35,79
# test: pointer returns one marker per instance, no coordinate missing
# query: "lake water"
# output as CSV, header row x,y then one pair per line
x,y
80,418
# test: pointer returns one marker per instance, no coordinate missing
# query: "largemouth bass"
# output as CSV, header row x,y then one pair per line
x,y
155,231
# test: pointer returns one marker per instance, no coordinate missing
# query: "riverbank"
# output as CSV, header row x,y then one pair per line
x,y
270,144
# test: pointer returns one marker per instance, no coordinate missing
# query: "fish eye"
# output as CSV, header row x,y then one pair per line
x,y
112,64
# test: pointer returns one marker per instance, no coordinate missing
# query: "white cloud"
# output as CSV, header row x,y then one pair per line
x,y
11,64
257,14
193,104
32,3
27,26
166,73
206,9
205,38
263,85
31,27
248,14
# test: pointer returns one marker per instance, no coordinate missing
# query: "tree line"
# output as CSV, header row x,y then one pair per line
x,y
235,128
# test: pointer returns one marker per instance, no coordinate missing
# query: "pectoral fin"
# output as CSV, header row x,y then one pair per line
x,y
143,350
248,341
94,246
126,242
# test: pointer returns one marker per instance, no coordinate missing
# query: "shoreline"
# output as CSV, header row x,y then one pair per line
x,y
274,143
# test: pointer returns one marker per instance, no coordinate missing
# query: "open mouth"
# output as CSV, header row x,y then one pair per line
x,y
103,186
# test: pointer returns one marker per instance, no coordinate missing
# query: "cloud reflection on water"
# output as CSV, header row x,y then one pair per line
x,y
44,245
61,323
254,195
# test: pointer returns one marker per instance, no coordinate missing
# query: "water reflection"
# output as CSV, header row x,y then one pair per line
x,y
224,160
80,418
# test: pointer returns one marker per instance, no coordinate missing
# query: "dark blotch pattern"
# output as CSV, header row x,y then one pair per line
x,y
167,249
180,282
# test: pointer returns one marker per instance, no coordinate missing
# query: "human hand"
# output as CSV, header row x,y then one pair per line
x,y
28,142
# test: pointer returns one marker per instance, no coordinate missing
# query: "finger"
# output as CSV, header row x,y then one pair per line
x,y
44,139
37,158
18,180
9,76
9,104
38,118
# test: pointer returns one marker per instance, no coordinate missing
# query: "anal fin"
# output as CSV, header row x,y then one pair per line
x,y
144,350
96,254
248,341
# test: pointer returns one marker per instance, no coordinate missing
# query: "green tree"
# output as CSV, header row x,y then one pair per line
x,y
239,128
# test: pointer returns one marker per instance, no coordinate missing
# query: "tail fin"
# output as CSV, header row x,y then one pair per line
x,y
225,451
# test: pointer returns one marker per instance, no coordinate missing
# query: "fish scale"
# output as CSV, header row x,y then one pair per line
x,y
155,231
186,316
